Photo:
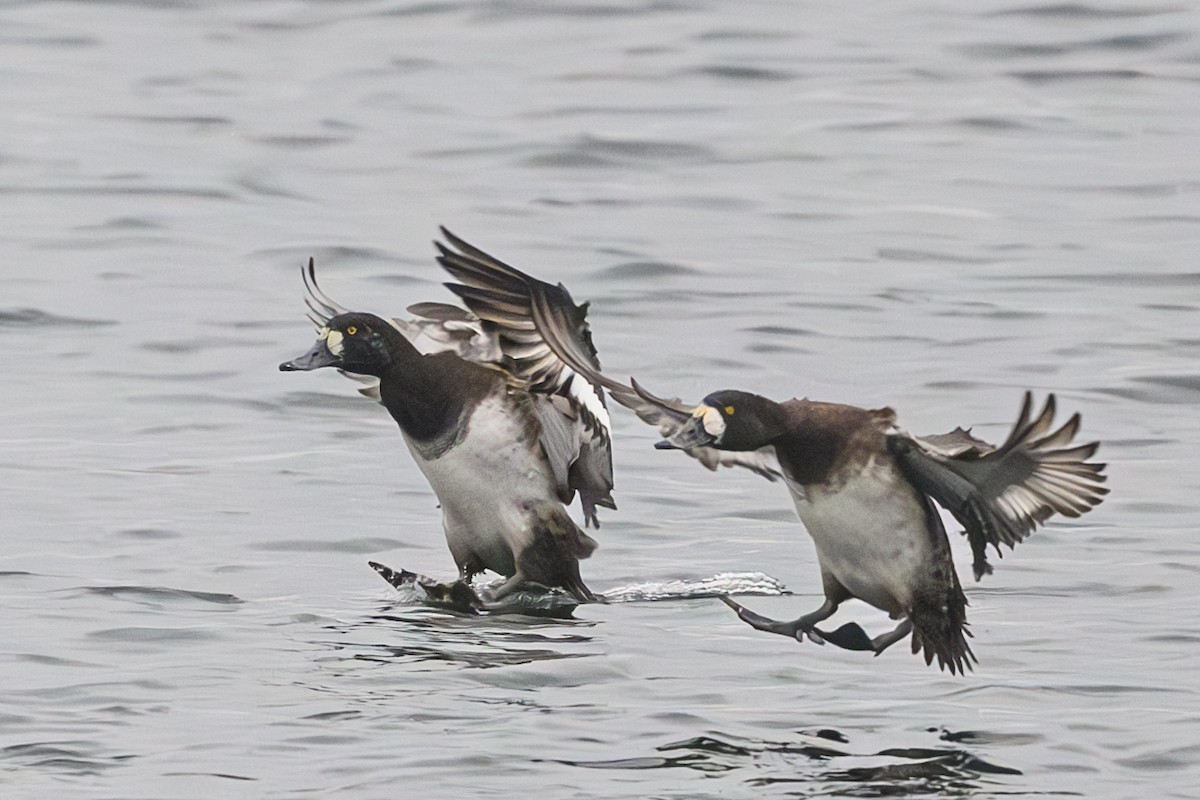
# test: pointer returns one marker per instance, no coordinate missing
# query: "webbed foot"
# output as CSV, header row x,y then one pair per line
x,y
848,637
761,623
796,629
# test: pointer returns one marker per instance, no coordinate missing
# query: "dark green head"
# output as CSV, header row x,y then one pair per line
x,y
356,342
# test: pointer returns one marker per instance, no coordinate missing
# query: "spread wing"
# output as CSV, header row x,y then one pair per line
x,y
545,333
668,415
523,314
1001,494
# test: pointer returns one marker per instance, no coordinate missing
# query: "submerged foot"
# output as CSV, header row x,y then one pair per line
x,y
530,598
848,637
511,597
453,596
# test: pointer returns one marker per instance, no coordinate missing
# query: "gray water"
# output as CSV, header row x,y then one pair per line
x,y
933,206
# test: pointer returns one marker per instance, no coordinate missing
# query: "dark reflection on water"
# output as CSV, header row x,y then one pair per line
x,y
817,762
493,657
428,635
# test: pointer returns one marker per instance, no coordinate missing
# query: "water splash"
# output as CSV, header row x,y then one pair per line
x,y
473,597
723,583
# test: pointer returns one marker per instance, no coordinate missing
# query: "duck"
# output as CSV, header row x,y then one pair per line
x,y
868,494
868,491
506,433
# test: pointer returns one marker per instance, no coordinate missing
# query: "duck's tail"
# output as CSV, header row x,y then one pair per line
x,y
552,556
939,619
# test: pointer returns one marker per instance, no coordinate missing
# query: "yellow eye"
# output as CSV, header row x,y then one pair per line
x,y
352,330
729,411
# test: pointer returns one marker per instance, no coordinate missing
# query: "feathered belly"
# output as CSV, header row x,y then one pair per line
x,y
870,533
487,484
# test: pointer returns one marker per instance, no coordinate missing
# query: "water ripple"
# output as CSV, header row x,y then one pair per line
x,y
1084,11
637,270
73,757
157,595
905,771
360,545
427,637
149,635
592,151
740,72
36,318
1042,76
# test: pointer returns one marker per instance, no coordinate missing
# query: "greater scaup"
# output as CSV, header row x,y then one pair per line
x,y
866,490
504,432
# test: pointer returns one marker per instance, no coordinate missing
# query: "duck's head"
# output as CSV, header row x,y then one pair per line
x,y
354,342
728,420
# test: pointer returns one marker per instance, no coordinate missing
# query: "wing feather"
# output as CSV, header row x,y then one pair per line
x,y
524,314
1000,495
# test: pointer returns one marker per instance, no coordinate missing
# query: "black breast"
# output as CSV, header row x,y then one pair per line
x,y
432,399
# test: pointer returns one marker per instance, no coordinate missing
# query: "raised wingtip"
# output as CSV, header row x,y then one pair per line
x,y
647,395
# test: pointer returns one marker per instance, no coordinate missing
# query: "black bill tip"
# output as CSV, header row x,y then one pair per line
x,y
318,356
